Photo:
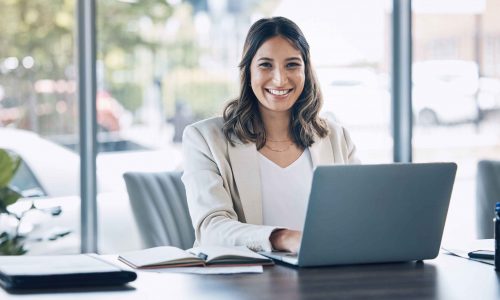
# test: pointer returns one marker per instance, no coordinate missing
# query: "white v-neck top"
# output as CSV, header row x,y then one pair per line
x,y
285,191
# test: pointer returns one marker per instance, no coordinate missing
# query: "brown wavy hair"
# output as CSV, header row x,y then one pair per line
x,y
241,115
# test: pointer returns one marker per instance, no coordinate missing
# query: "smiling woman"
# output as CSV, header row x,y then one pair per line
x,y
276,61
277,80
247,175
277,75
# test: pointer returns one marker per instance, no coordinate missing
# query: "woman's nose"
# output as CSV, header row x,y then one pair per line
x,y
280,77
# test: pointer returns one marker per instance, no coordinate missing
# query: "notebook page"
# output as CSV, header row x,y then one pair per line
x,y
158,256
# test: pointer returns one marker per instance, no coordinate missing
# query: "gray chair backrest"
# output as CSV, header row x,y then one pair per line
x,y
160,208
487,194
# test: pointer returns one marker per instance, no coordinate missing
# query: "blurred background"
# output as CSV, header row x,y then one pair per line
x,y
163,64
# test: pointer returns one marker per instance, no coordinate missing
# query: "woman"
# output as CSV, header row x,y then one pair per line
x,y
248,175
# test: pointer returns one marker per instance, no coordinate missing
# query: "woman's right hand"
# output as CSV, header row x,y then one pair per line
x,y
286,240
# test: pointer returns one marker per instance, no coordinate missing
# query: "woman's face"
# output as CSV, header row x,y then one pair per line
x,y
277,75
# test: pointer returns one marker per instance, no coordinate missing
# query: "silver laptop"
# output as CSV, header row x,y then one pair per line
x,y
374,214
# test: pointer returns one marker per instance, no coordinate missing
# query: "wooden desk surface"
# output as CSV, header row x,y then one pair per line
x,y
446,277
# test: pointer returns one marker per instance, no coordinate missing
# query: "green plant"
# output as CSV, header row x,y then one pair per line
x,y
8,167
12,242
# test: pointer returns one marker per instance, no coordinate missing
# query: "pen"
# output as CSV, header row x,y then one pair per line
x,y
482,254
202,256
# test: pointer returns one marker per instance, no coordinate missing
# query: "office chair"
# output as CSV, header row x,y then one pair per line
x,y
160,208
487,194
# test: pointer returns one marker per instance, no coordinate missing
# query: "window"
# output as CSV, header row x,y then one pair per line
x,y
164,64
38,112
349,48
456,95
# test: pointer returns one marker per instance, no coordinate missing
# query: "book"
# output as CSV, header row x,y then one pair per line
x,y
169,257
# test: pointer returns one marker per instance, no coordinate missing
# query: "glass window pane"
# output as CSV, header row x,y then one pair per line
x,y
38,120
456,95
165,64
349,48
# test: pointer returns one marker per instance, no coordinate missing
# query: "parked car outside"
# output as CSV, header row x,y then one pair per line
x,y
445,91
49,176
489,94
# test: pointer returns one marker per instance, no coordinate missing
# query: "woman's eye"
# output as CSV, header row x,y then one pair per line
x,y
293,65
265,65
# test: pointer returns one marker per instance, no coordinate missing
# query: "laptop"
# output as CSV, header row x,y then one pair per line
x,y
374,214
32,273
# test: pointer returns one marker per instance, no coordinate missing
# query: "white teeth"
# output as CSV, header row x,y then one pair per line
x,y
279,92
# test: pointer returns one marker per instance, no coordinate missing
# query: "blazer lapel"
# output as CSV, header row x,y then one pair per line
x,y
322,152
245,166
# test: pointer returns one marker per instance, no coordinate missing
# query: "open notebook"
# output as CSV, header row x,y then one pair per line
x,y
169,257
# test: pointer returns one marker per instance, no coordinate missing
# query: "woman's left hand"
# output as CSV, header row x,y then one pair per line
x,y
286,240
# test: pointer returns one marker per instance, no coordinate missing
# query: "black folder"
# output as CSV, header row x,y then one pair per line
x,y
60,271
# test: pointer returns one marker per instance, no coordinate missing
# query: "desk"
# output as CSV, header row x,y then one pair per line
x,y
446,277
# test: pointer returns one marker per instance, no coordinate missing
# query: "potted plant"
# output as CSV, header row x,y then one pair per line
x,y
12,240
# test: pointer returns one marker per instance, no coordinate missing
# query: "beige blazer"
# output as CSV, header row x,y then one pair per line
x,y
223,183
